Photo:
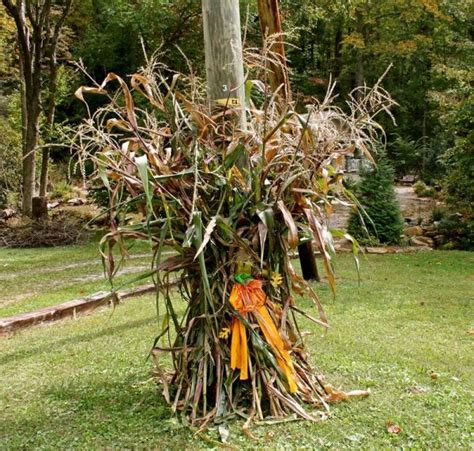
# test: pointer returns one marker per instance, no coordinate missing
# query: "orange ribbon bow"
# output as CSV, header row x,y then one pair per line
x,y
246,298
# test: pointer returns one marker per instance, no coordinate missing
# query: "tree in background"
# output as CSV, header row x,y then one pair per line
x,y
10,125
456,104
10,153
353,42
113,34
38,26
428,42
7,46
379,219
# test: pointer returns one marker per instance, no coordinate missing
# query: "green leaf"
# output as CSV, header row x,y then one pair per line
x,y
232,157
142,166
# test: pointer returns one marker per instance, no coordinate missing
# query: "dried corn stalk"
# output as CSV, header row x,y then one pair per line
x,y
231,205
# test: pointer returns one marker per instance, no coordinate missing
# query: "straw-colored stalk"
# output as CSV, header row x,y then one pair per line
x,y
228,204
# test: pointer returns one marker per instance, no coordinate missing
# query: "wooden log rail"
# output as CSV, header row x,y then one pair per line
x,y
68,309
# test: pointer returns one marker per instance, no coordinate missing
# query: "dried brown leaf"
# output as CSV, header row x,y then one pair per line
x,y
393,428
290,223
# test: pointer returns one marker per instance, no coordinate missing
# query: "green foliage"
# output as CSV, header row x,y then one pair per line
x,y
460,182
331,38
423,190
100,196
429,43
437,214
458,230
10,150
459,158
455,99
62,190
67,110
114,30
353,42
7,44
404,153
380,219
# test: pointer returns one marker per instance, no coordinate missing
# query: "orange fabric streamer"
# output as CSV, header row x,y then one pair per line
x,y
251,298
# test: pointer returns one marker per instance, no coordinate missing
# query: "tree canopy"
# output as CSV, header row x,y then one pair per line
x,y
428,43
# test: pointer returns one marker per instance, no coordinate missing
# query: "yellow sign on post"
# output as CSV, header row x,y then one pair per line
x,y
229,101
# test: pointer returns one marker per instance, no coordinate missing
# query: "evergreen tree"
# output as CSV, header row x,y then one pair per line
x,y
381,216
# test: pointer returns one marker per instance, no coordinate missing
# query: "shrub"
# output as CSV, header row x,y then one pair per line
x,y
438,214
458,231
457,121
379,220
459,183
423,190
405,155
62,191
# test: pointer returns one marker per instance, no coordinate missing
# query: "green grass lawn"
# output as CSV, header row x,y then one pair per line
x,y
34,278
403,333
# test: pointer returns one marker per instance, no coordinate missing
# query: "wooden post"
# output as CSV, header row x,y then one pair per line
x,y
39,210
308,261
270,23
223,49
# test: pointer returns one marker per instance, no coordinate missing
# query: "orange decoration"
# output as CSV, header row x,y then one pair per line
x,y
250,298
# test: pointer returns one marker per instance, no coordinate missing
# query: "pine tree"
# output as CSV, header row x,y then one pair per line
x,y
381,219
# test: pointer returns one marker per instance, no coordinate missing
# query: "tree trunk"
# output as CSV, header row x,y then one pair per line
x,y
37,37
39,211
23,107
359,74
308,261
29,156
337,62
50,111
360,71
44,172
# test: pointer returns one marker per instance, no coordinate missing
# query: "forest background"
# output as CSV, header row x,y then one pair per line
x,y
428,42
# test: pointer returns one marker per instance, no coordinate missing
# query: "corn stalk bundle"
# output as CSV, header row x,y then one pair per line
x,y
224,208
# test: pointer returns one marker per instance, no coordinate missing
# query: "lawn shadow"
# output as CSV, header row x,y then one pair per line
x,y
74,338
109,411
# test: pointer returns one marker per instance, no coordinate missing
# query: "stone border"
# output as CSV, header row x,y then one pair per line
x,y
346,248
68,309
